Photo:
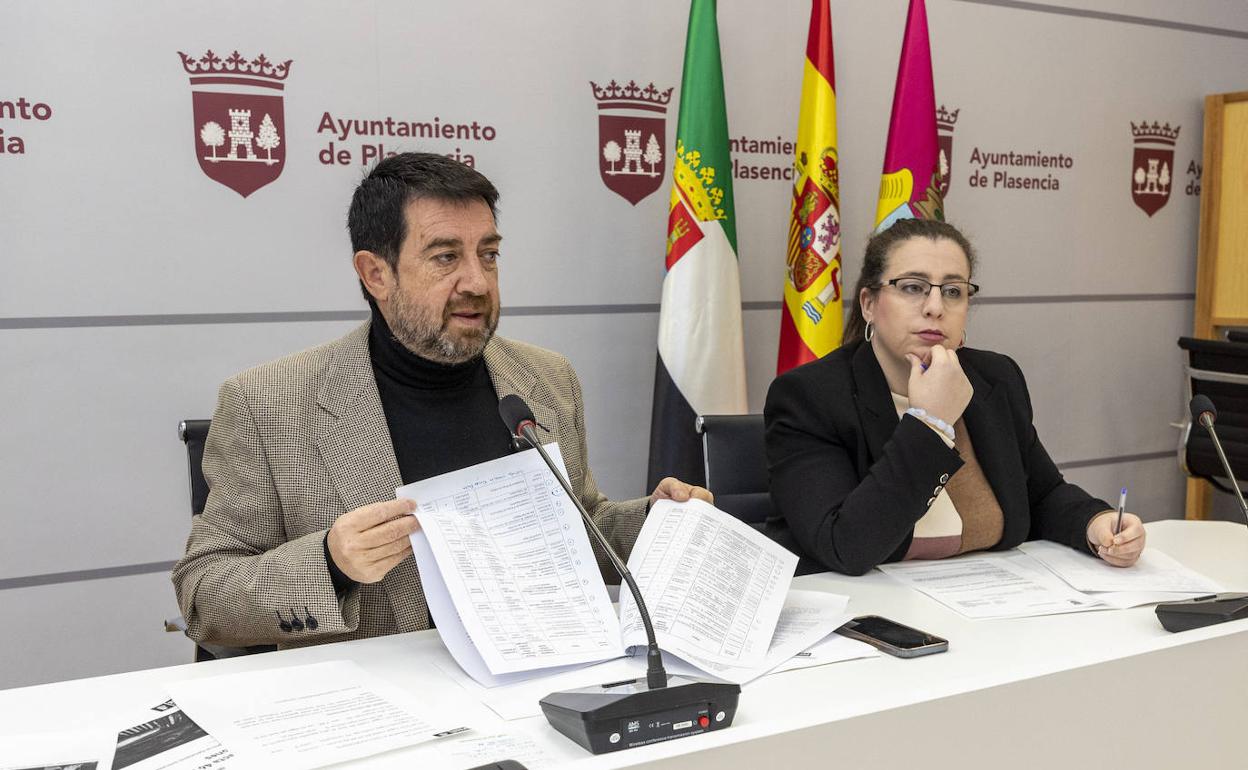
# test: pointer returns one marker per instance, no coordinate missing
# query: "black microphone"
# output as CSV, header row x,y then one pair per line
x,y
622,715
519,419
1205,413
1218,608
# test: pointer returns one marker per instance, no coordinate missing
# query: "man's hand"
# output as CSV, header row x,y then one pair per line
x,y
1122,549
369,542
675,489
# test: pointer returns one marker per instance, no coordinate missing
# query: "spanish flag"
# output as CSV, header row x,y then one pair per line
x,y
811,319
701,362
910,184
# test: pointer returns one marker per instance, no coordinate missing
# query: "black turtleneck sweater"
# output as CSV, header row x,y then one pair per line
x,y
442,417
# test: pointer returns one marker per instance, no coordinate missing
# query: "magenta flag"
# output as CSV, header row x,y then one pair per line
x,y
909,185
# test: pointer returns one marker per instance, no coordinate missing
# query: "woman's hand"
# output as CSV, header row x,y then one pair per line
x,y
943,390
1122,549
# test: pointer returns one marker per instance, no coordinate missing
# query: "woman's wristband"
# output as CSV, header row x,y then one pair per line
x,y
932,420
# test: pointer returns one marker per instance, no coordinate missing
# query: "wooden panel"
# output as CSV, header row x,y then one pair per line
x,y
1222,252
1230,285
1207,245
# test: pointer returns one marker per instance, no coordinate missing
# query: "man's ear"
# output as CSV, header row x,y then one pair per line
x,y
375,273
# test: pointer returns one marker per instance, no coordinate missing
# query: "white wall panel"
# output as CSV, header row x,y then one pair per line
x,y
94,474
1152,492
108,215
90,628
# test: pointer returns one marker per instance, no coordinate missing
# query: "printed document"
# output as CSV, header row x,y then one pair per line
x,y
516,562
833,648
1010,584
514,588
714,586
475,751
1155,571
163,737
308,716
807,617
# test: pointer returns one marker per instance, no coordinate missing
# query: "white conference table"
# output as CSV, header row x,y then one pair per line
x,y
1106,688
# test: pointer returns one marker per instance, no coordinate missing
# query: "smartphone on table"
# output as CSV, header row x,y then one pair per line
x,y
892,637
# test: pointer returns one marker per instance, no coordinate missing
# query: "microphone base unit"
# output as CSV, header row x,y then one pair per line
x,y
623,715
1203,611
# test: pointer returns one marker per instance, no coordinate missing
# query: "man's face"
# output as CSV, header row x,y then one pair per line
x,y
444,303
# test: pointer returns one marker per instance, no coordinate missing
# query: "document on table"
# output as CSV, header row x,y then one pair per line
x,y
520,700
475,751
833,648
516,562
713,584
89,750
451,628
1155,571
807,617
1010,584
163,737
308,716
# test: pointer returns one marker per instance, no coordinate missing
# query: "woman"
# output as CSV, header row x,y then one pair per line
x,y
902,444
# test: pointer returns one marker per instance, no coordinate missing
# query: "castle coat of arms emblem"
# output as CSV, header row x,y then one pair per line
x,y
240,128
1152,165
632,137
946,121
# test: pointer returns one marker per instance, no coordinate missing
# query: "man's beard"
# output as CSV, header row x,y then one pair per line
x,y
429,338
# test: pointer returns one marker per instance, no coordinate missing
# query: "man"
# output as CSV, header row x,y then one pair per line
x,y
301,540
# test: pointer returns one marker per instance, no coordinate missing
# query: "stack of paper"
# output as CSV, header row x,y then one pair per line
x,y
1043,578
515,591
295,717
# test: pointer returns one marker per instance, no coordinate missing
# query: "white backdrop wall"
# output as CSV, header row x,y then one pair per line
x,y
132,283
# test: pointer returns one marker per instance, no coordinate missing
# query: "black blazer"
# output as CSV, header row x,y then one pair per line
x,y
849,480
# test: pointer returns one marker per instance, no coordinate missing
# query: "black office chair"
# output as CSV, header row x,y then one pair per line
x,y
194,433
1217,369
736,465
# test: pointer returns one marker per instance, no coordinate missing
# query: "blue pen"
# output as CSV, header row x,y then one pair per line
x,y
1122,504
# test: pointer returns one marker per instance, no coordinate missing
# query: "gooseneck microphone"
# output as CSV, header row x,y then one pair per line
x,y
621,715
1205,413
519,418
1218,608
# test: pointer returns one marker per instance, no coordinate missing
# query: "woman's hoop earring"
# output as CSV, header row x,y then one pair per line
x,y
868,332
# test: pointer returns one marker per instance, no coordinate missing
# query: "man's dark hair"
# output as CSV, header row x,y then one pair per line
x,y
875,261
377,218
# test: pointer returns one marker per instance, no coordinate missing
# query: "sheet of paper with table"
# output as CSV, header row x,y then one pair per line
x,y
515,591
803,639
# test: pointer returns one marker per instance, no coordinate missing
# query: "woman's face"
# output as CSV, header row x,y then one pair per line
x,y
906,320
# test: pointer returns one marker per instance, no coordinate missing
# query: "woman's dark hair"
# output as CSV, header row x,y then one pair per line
x,y
875,260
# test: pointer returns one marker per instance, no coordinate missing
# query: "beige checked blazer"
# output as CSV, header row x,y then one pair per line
x,y
297,442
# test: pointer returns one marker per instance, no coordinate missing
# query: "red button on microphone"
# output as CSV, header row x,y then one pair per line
x,y
704,720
